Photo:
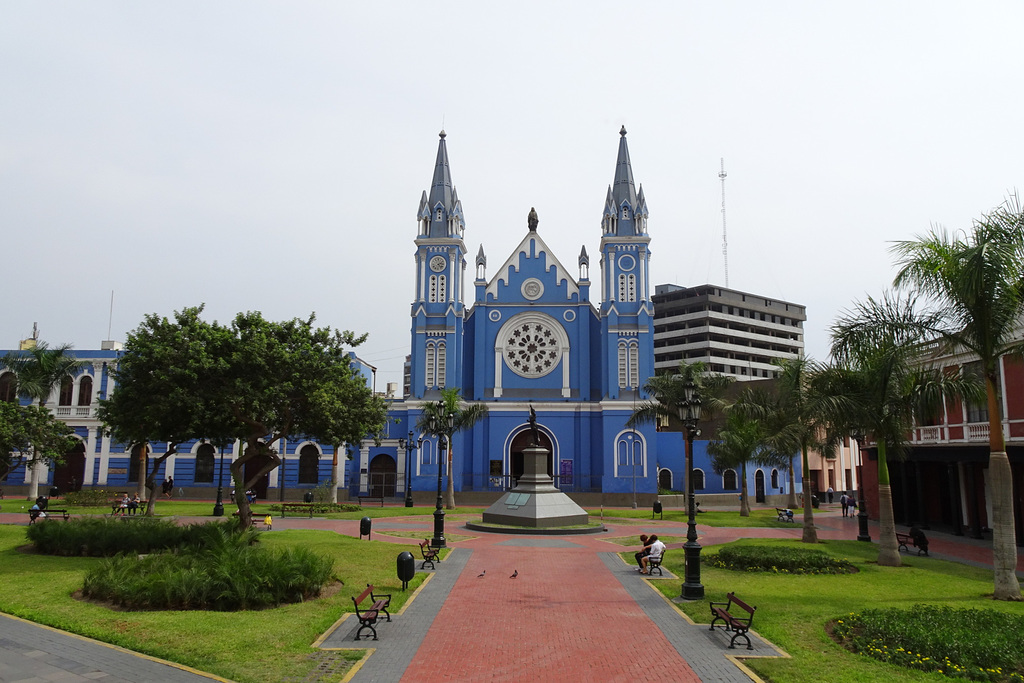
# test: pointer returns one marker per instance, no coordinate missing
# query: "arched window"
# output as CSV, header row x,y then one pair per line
x,y
698,480
309,465
440,215
204,464
427,452
431,373
67,389
442,286
8,387
631,287
625,214
442,360
729,480
85,391
775,479
622,288
432,292
629,360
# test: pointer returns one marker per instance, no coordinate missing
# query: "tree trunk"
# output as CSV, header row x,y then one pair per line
x,y
140,488
744,500
888,547
810,534
1004,538
32,476
791,499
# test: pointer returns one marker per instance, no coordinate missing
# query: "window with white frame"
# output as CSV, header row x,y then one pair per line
x,y
698,480
429,364
629,359
442,360
729,480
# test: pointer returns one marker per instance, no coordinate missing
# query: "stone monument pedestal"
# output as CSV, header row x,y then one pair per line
x,y
535,502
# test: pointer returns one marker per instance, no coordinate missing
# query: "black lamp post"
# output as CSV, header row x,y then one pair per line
x,y
862,511
443,423
689,415
409,446
218,507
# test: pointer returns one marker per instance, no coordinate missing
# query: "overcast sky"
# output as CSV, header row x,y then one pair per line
x,y
271,156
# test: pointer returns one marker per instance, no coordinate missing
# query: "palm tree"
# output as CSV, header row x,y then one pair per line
x,y
434,420
976,281
38,371
884,386
668,396
740,441
795,418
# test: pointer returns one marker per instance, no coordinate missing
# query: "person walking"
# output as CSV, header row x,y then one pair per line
x,y
844,502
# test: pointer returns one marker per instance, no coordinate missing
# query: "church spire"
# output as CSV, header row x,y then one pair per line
x,y
623,189
440,212
625,213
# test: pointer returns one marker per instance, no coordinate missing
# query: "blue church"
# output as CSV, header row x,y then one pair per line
x,y
532,336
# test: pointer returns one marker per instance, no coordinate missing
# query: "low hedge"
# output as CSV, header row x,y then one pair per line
x,y
226,576
108,536
777,559
972,644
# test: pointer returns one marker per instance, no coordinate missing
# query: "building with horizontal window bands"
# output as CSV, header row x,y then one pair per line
x,y
733,333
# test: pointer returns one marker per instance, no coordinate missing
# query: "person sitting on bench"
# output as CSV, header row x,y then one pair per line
x,y
656,548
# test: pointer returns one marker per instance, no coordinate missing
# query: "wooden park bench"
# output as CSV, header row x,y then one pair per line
x,y
655,563
33,515
906,540
368,617
430,555
297,507
739,625
369,498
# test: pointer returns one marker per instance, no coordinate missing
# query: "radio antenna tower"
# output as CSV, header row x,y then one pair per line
x,y
725,239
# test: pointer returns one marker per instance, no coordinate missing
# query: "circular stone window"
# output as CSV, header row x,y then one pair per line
x,y
532,289
532,348
495,316
627,262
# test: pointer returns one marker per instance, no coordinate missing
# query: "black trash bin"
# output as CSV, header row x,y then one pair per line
x,y
364,527
307,497
54,492
406,568
657,510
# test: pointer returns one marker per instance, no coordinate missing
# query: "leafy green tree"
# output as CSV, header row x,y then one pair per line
x,y
255,380
739,442
159,394
976,280
884,386
30,435
434,420
38,371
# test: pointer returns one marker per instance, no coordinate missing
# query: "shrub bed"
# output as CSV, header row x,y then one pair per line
x,y
89,498
324,508
231,575
106,536
973,644
780,560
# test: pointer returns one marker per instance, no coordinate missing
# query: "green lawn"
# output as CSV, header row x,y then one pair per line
x,y
268,645
723,518
792,611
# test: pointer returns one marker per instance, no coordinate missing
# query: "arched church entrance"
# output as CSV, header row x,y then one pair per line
x,y
665,479
383,472
521,441
759,486
68,476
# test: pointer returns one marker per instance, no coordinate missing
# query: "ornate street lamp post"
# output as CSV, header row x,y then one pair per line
x,y
442,424
689,415
409,446
862,508
218,507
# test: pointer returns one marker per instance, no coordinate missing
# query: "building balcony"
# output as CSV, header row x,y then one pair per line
x,y
78,412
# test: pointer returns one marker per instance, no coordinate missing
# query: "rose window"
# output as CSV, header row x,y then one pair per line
x,y
532,349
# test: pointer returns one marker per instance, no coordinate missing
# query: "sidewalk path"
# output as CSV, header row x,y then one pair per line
x,y
30,653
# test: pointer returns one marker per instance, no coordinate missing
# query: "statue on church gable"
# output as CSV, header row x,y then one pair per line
x,y
532,219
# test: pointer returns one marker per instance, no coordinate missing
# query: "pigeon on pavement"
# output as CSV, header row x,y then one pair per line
x,y
514,574
481,573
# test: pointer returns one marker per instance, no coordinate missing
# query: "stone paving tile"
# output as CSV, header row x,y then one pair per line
x,y
29,652
399,639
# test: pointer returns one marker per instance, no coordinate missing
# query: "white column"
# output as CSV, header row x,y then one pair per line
x,y
90,457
